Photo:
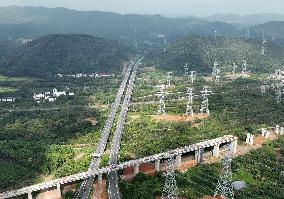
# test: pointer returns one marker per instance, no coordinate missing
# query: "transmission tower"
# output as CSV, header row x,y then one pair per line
x,y
205,102
189,109
186,69
262,48
192,76
169,78
165,44
248,33
224,187
215,34
162,105
234,68
279,92
214,69
170,190
135,38
244,66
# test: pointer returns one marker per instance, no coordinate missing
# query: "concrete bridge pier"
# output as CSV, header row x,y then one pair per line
x,y
30,195
199,155
100,178
234,146
157,165
58,189
178,160
136,169
251,140
216,151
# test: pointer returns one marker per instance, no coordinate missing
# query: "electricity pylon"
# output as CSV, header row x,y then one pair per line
x,y
170,190
278,92
192,76
224,187
162,105
186,69
262,47
234,68
169,78
189,109
205,102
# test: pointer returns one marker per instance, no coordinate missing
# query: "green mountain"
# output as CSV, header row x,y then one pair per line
x,y
246,20
72,53
31,22
200,53
270,29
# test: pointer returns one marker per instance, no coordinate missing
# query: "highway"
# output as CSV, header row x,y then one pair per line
x,y
86,186
113,190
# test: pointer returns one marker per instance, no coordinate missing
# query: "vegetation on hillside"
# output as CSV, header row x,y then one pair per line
x,y
200,53
66,54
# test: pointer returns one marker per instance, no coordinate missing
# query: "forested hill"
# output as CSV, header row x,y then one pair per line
x,y
32,22
66,54
200,53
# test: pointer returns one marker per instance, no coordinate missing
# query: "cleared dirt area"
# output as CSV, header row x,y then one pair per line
x,y
179,118
92,120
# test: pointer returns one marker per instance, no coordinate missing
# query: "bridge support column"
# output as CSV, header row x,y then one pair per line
x,y
277,129
199,155
100,178
267,134
251,140
178,160
248,138
234,146
30,195
157,165
216,151
136,169
58,189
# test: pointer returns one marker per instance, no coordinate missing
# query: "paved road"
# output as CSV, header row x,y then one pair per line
x,y
86,187
113,190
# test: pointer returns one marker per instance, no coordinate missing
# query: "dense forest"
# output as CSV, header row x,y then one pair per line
x,y
66,54
200,53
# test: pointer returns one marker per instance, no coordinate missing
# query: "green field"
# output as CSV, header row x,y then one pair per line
x,y
7,90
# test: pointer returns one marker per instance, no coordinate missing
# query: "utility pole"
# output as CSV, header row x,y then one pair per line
x,y
192,76
189,109
205,102
162,105
170,190
224,187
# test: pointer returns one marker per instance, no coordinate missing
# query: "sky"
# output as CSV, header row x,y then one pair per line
x,y
164,7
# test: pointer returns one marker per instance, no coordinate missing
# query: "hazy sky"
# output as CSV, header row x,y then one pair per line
x,y
165,7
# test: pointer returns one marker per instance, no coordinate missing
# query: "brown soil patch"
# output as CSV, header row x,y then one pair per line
x,y
100,190
207,79
149,69
92,120
179,118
